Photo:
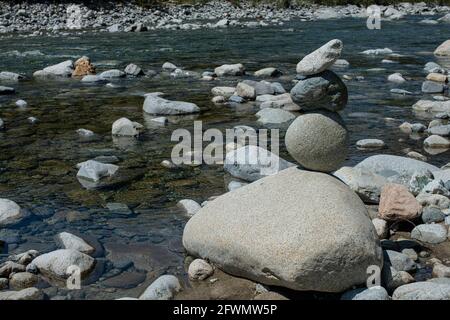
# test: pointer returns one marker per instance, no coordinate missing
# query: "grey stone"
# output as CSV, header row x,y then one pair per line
x,y
268,72
163,288
372,293
399,261
25,294
318,141
271,116
230,70
225,92
365,183
22,280
430,233
10,76
440,130
199,269
189,207
422,291
317,237
435,141
94,170
10,213
112,74
157,105
126,127
320,91
370,143
432,87
71,241
63,69
388,165
251,163
133,70
56,264
320,59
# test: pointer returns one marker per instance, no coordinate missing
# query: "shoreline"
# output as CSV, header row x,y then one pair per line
x,y
39,17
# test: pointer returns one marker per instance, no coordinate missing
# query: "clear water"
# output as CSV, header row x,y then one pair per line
x,y
38,161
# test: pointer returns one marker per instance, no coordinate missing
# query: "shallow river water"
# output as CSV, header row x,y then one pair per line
x,y
37,161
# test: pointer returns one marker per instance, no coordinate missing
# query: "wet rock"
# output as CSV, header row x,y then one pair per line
x,y
10,213
6,90
126,127
189,207
437,142
112,74
118,208
433,67
318,141
230,70
397,203
320,59
251,163
320,91
56,264
268,72
270,116
22,280
430,233
10,76
25,294
370,143
63,69
236,99
225,92
425,290
199,269
21,103
436,186
245,91
308,255
71,241
443,49
163,288
133,70
384,51
157,105
125,280
438,77
396,77
94,170
440,130
93,79
167,66
432,87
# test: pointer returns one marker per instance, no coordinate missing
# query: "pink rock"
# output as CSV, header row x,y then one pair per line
x,y
397,203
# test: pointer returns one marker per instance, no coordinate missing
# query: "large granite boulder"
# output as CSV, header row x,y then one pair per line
x,y
298,229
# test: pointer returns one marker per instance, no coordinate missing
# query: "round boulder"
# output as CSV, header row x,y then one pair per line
x,y
297,229
318,141
324,90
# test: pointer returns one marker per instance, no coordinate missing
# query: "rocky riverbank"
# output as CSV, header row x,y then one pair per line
x,y
36,17
315,225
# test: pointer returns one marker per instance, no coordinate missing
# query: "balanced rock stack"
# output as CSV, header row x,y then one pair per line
x,y
304,230
318,139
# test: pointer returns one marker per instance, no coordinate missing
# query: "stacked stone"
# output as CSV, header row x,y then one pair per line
x,y
318,139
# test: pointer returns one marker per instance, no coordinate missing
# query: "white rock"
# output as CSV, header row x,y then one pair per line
x,y
190,207
70,241
320,59
199,269
126,127
56,264
10,213
21,103
396,77
94,170
163,288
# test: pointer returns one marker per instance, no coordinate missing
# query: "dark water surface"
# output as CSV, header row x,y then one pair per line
x,y
37,162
